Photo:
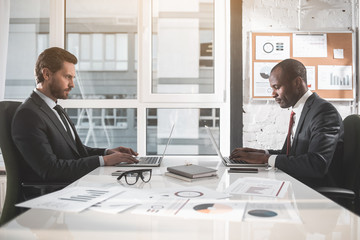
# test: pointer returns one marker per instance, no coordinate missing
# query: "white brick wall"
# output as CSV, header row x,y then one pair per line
x,y
265,123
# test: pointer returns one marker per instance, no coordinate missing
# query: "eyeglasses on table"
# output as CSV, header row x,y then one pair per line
x,y
132,176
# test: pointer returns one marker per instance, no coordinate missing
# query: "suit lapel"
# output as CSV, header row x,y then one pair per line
x,y
54,119
307,106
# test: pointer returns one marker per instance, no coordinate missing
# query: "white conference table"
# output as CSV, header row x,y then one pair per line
x,y
319,217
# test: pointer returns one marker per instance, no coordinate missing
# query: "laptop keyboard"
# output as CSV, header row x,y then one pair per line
x,y
235,161
148,160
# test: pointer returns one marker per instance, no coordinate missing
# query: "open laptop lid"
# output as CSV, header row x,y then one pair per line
x,y
168,141
214,143
225,160
150,164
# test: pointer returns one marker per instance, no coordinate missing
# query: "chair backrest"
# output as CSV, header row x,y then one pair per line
x,y
12,161
351,157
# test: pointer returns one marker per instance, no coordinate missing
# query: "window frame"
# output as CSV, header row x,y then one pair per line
x,y
145,99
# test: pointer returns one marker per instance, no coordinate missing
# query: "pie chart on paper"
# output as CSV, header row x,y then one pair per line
x,y
212,208
189,194
265,72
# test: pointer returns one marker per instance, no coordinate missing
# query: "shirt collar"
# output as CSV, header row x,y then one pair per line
x,y
297,108
46,99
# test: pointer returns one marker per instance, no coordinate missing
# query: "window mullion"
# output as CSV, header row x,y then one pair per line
x,y
57,23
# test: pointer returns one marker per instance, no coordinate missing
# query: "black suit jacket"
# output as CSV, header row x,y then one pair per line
x,y
49,153
315,155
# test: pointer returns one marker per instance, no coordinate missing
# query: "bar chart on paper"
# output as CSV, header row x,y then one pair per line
x,y
334,77
258,187
71,199
339,80
86,196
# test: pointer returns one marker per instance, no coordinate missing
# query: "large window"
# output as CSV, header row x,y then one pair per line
x,y
184,46
189,135
103,39
28,36
143,65
105,127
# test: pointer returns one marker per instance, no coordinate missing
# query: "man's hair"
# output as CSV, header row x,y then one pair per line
x,y
291,69
53,59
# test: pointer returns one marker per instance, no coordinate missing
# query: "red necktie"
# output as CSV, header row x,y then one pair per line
x,y
288,140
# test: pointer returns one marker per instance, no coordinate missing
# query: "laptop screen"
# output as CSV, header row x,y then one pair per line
x,y
213,141
168,141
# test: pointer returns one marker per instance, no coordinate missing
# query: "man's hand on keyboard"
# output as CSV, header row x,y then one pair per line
x,y
250,155
119,157
122,150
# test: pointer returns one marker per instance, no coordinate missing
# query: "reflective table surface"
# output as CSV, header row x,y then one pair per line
x,y
318,217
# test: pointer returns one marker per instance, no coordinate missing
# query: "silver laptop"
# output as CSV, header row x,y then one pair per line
x,y
227,161
149,161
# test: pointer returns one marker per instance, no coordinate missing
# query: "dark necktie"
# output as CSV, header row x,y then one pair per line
x,y
62,113
288,139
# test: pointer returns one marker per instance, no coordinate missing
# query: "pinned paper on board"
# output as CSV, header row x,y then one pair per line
x,y
310,77
327,56
338,53
334,77
261,78
310,45
272,47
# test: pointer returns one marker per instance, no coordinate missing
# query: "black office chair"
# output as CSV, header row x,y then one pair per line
x,y
349,193
351,160
12,160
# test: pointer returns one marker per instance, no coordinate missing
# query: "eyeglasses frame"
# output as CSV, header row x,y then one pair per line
x,y
140,174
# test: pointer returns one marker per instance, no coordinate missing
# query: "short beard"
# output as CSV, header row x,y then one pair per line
x,y
58,93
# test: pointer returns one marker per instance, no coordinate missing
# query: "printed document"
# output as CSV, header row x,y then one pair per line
x,y
195,202
258,187
71,199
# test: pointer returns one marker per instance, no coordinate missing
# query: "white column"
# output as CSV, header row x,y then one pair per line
x,y
4,38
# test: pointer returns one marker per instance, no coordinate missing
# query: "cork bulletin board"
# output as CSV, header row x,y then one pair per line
x,y
328,58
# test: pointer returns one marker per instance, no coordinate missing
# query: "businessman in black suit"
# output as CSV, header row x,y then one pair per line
x,y
314,143
44,134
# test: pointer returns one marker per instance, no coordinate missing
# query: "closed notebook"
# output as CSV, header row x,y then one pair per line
x,y
170,174
192,171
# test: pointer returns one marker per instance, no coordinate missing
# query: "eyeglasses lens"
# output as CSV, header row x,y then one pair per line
x,y
146,175
131,178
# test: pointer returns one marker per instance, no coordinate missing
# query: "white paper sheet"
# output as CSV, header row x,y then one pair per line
x,y
258,187
310,75
197,192
193,208
309,45
272,47
120,202
334,77
71,199
262,86
219,210
181,202
273,212
338,53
